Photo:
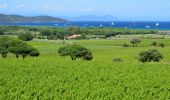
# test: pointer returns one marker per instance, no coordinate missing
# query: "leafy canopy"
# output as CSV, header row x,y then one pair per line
x,y
75,51
150,55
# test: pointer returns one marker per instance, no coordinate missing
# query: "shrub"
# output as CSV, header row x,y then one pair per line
x,y
154,43
75,51
1,32
4,45
34,53
161,45
25,36
88,56
125,45
135,41
150,55
117,60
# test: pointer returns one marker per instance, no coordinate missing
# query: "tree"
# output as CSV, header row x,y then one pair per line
x,y
75,51
25,36
19,47
150,55
4,45
135,41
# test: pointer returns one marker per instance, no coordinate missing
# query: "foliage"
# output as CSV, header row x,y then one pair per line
x,y
34,53
135,41
4,45
125,45
88,56
75,51
161,45
117,60
18,47
1,32
111,34
150,55
25,36
154,43
55,33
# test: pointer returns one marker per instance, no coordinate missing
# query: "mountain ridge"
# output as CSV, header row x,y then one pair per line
x,y
92,18
20,18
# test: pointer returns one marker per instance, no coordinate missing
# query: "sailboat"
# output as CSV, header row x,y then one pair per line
x,y
157,24
101,25
147,26
112,24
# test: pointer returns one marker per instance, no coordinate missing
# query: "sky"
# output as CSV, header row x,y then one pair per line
x,y
157,10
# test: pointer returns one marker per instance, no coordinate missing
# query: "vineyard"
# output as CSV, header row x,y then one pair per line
x,y
51,76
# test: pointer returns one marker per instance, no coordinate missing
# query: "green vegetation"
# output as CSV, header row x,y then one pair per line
x,y
114,73
150,55
17,47
53,33
18,18
25,36
135,41
75,51
154,43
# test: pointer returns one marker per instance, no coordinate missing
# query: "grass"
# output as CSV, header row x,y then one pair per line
x,y
53,77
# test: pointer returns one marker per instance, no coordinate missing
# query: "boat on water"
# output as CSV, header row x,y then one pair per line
x,y
147,26
157,24
112,24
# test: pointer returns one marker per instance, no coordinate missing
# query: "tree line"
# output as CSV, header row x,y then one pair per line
x,y
54,33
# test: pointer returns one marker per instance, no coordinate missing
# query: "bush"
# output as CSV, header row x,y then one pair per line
x,y
161,45
34,53
125,45
1,32
88,56
150,55
117,60
25,36
4,45
75,51
135,41
154,43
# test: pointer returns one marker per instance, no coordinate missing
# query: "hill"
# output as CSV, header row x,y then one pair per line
x,y
19,18
92,18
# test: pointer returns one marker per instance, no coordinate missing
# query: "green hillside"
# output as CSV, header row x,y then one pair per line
x,y
19,18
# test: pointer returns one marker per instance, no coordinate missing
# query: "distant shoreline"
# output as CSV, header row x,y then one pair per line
x,y
146,25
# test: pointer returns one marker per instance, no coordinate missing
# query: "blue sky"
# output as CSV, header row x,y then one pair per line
x,y
120,9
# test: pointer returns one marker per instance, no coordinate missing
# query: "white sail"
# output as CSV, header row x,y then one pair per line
x,y
112,23
157,24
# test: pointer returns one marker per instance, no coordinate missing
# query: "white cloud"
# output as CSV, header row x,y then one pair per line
x,y
3,5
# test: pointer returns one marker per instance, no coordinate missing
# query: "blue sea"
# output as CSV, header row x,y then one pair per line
x,y
116,24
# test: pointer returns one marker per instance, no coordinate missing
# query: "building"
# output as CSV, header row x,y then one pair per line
x,y
74,36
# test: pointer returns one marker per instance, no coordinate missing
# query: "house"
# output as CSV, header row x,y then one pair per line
x,y
74,36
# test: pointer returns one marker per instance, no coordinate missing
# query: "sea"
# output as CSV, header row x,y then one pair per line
x,y
150,25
